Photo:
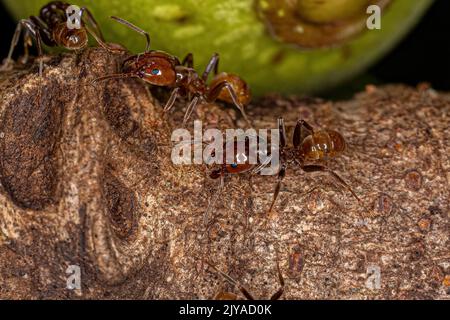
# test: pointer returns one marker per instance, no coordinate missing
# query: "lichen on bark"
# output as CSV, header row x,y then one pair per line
x,y
87,180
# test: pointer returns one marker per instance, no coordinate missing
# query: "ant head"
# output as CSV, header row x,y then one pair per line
x,y
73,39
215,174
154,67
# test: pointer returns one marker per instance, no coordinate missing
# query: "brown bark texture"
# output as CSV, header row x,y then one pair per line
x,y
87,180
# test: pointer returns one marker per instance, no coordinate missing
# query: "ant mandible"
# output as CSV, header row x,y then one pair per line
x,y
309,151
231,296
162,69
50,28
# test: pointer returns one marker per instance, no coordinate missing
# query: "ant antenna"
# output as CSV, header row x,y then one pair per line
x,y
135,28
85,12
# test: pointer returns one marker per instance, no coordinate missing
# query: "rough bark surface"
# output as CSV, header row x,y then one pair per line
x,y
86,179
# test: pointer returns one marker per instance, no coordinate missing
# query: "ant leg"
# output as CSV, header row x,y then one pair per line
x,y
212,64
8,63
91,20
233,282
173,97
280,291
315,168
214,199
15,40
44,31
261,165
188,61
192,105
27,43
214,93
135,28
40,52
56,5
281,175
302,130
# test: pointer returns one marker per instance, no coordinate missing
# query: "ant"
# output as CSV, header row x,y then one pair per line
x,y
50,28
240,164
162,69
231,296
310,150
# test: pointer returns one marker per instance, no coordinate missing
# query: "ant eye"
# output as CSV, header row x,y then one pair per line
x,y
234,165
156,72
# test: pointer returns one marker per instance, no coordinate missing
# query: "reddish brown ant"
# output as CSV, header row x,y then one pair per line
x,y
231,296
239,165
50,28
310,150
162,69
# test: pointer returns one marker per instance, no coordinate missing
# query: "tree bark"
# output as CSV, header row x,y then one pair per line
x,y
87,180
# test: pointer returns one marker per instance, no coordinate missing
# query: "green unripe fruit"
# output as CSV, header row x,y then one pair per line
x,y
240,31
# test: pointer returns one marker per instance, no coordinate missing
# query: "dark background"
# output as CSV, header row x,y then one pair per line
x,y
423,56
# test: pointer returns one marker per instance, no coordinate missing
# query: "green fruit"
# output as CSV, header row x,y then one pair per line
x,y
236,30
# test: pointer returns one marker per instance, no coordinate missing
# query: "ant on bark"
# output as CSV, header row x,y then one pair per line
x,y
310,150
51,28
162,69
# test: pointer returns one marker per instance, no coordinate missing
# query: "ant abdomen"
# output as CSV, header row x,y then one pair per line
x,y
322,144
240,87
